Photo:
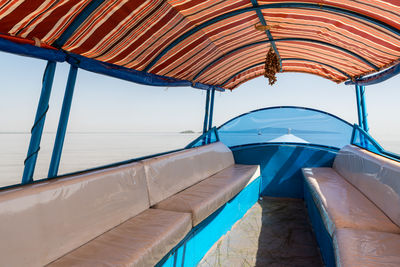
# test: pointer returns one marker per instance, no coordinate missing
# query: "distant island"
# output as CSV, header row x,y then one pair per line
x,y
187,132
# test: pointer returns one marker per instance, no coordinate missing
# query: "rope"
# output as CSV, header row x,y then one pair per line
x,y
33,127
40,118
31,155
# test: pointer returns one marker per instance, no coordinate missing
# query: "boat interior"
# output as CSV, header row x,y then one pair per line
x,y
277,186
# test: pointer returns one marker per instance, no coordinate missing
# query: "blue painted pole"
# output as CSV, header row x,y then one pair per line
x,y
364,108
208,137
37,128
206,112
206,117
359,109
63,122
211,109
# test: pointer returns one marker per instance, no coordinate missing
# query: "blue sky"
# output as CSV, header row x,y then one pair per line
x,y
107,104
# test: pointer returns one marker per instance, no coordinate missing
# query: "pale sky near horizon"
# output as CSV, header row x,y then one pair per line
x,y
107,104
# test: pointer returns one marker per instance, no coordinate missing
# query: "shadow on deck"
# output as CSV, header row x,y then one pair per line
x,y
274,232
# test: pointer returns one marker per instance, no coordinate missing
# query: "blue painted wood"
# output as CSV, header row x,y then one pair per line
x,y
377,78
364,108
268,32
210,120
205,124
123,73
99,67
196,244
359,109
324,239
203,86
367,140
281,165
63,122
37,128
31,51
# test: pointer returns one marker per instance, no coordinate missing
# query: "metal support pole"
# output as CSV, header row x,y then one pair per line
x,y
63,122
206,117
211,109
364,108
37,128
359,109
206,112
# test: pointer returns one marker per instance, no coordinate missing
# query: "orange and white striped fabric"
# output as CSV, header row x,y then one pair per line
x,y
215,42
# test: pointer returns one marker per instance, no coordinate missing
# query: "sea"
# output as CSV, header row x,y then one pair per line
x,y
93,149
83,150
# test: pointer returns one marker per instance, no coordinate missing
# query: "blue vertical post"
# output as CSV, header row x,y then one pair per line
x,y
206,117
37,128
208,137
63,122
364,109
359,108
206,112
211,109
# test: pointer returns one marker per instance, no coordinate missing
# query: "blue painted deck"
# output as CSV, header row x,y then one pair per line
x,y
281,165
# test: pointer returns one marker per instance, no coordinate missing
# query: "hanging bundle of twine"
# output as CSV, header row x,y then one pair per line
x,y
272,66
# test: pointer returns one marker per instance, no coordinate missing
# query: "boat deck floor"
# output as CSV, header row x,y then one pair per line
x,y
274,232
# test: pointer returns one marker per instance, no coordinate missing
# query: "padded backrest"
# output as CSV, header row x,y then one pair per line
x,y
41,222
167,175
375,176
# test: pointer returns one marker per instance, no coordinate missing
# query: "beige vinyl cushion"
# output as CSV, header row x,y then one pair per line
x,y
359,248
207,196
342,205
41,222
141,241
169,174
375,176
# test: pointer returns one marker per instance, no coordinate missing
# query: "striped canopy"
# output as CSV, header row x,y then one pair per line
x,y
214,42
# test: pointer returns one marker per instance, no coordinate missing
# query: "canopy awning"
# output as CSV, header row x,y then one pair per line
x,y
214,42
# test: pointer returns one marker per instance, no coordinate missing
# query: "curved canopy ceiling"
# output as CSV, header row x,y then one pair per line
x,y
215,42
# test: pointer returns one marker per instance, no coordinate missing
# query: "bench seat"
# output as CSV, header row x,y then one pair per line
x,y
205,197
105,217
358,201
140,241
170,174
342,205
43,221
366,248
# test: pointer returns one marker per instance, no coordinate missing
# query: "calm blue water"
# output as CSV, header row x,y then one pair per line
x,y
83,150
88,150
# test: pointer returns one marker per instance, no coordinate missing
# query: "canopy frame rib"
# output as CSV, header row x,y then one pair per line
x,y
321,63
80,18
282,40
285,59
268,32
270,6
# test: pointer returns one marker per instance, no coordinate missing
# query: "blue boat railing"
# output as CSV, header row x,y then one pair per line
x,y
211,136
363,140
